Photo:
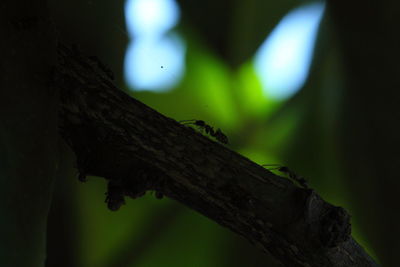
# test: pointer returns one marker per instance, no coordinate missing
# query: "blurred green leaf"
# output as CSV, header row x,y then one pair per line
x,y
234,29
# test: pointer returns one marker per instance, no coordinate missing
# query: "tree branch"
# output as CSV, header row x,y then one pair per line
x,y
137,149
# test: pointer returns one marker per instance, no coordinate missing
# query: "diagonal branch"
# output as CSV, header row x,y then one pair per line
x,y
137,149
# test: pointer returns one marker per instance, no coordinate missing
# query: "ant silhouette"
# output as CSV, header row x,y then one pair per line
x,y
218,134
291,174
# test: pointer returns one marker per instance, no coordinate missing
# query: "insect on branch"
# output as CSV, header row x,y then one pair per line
x,y
203,126
291,174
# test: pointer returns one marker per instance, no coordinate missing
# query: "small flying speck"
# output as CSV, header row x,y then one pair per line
x,y
162,67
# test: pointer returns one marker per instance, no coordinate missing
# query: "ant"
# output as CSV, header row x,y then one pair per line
x,y
291,174
218,134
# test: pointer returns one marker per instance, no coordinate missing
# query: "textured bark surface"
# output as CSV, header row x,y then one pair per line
x,y
137,149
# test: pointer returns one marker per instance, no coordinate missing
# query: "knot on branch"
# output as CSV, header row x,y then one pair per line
x,y
328,225
335,227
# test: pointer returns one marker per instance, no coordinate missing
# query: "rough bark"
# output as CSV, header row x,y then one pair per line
x,y
137,149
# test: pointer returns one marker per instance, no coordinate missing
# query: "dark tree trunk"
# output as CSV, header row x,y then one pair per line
x,y
369,40
28,132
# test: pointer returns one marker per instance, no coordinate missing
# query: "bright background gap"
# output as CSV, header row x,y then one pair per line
x,y
155,57
283,60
